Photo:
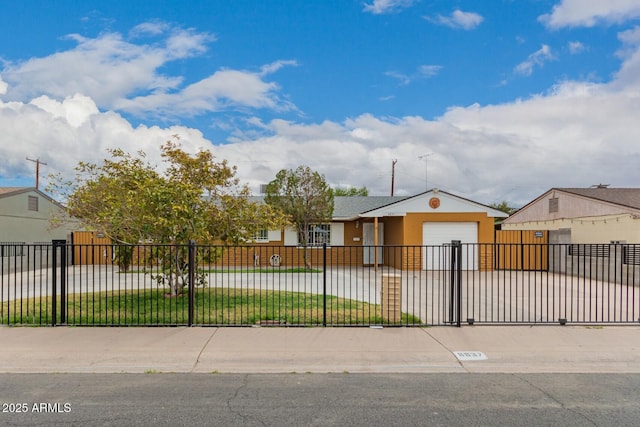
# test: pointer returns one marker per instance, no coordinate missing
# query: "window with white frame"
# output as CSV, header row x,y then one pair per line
x,y
318,234
261,236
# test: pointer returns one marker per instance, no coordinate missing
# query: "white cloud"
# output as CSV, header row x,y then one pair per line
x,y
423,72
120,75
513,151
628,76
275,66
403,79
223,89
429,70
584,13
576,47
3,86
65,133
537,58
458,19
379,7
76,109
576,134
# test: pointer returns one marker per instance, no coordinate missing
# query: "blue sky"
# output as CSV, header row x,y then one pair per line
x,y
508,98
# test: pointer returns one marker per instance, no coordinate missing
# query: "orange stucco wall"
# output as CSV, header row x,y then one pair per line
x,y
413,225
411,231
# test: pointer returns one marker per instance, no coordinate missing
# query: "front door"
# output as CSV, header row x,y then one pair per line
x,y
368,243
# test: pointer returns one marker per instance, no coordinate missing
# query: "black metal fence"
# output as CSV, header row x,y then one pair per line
x,y
453,284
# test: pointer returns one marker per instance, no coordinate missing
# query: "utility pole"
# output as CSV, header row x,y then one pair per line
x,y
38,163
426,169
393,174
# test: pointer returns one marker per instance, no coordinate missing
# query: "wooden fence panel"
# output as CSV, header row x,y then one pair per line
x,y
91,248
522,250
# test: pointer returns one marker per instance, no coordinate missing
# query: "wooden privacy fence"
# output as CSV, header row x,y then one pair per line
x,y
91,248
513,250
522,250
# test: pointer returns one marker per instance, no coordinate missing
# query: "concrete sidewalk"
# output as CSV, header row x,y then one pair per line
x,y
508,349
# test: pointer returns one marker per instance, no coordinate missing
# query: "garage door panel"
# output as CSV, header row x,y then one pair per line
x,y
437,237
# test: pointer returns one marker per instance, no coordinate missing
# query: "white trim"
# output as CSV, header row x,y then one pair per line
x,y
449,203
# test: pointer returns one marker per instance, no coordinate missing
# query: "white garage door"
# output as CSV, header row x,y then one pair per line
x,y
437,237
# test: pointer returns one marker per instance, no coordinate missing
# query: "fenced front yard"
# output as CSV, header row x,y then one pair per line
x,y
246,286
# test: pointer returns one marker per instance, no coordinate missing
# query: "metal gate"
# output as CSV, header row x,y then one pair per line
x,y
238,286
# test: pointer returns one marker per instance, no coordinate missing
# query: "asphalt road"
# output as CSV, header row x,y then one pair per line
x,y
300,399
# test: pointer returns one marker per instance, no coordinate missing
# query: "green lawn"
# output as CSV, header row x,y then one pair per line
x,y
213,306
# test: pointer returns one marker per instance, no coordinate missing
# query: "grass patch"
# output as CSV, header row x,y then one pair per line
x,y
213,306
264,270
274,270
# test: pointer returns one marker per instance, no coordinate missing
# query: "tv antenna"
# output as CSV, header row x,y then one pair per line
x,y
425,157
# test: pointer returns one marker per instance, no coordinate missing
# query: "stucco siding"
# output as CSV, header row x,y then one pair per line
x,y
569,206
413,225
590,229
20,224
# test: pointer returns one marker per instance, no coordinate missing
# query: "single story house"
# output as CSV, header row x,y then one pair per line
x,y
25,215
583,215
399,227
405,232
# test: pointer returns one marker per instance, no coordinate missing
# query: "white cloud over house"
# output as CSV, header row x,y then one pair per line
x,y
584,13
379,7
423,72
575,134
121,75
536,59
458,19
576,47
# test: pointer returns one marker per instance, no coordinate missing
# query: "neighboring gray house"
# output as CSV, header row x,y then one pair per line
x,y
589,215
25,215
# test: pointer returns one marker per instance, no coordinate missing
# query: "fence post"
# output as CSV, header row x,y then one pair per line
x,y
63,282
455,269
324,284
55,245
192,279
458,245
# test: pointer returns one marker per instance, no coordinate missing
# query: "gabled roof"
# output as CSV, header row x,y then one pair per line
x,y
13,191
10,191
619,200
628,197
450,203
350,207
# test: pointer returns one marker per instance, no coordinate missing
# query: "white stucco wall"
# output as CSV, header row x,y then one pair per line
x,y
591,229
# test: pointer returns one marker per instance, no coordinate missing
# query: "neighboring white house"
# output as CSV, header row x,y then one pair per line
x,y
590,215
25,215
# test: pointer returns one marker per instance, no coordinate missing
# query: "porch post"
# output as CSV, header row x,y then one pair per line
x,y
375,243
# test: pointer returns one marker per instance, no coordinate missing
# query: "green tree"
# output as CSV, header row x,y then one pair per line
x,y
351,191
305,197
194,197
504,207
